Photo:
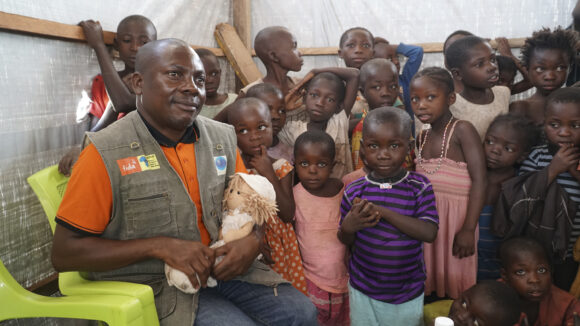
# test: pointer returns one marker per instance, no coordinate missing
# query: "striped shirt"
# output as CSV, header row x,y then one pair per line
x,y
386,264
539,158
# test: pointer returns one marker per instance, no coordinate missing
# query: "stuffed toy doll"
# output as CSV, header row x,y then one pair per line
x,y
248,200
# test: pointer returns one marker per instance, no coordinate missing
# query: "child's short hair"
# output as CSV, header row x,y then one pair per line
x,y
345,34
510,248
379,39
371,66
506,64
264,88
456,56
204,53
439,76
560,38
137,18
527,129
234,108
564,95
389,114
457,32
263,40
316,137
332,78
505,300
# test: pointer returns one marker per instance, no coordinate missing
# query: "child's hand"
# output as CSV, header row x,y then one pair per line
x,y
566,158
263,164
93,32
464,244
362,215
503,47
294,96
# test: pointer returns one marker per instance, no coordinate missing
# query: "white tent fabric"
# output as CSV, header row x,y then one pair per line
x,y
41,79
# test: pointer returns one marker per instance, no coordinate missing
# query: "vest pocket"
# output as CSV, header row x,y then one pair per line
x,y
149,214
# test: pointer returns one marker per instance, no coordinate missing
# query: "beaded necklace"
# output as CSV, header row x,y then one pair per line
x,y
420,156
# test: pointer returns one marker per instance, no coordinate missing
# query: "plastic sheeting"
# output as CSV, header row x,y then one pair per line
x,y
41,79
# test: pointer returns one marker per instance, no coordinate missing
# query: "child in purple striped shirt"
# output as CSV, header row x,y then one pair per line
x,y
386,217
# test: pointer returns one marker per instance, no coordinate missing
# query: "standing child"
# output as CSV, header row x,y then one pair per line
x,y
451,38
215,101
386,217
526,268
560,157
472,62
546,56
253,125
317,198
111,92
328,102
451,155
507,144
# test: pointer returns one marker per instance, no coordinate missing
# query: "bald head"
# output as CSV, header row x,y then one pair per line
x,y
142,21
377,66
153,51
266,40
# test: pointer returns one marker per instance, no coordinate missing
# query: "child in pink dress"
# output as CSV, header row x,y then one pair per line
x,y
318,199
450,154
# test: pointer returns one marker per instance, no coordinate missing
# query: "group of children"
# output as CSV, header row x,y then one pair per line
x,y
388,183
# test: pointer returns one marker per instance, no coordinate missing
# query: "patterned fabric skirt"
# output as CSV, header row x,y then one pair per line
x,y
333,308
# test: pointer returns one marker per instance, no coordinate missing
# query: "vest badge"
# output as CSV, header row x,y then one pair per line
x,y
134,164
221,164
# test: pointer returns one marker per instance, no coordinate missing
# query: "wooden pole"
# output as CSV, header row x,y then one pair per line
x,y
243,25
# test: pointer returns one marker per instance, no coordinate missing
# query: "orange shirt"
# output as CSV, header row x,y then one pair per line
x,y
88,200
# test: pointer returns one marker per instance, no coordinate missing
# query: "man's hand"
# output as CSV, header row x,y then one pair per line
x,y
93,33
362,215
464,243
190,257
238,257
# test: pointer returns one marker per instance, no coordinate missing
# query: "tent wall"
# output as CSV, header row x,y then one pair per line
x,y
41,79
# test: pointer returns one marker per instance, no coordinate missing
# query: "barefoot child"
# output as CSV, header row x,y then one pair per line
x,y
215,101
451,155
328,102
386,218
547,56
526,268
252,123
508,142
111,92
317,198
472,62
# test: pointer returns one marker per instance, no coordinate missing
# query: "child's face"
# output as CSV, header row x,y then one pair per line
x,y
562,124
480,69
321,100
213,74
287,54
389,52
473,308
529,275
277,110
356,49
384,149
429,100
381,88
548,69
503,147
253,129
506,78
131,36
313,165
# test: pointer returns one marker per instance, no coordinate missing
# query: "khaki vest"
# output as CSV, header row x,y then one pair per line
x,y
154,202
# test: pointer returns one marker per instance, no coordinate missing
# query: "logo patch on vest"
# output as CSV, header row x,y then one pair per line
x,y
221,163
133,164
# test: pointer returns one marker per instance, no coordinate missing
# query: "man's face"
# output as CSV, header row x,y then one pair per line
x,y
171,89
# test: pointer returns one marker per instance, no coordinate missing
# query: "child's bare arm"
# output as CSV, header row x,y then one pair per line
x,y
123,99
470,142
415,228
350,76
503,47
283,187
359,217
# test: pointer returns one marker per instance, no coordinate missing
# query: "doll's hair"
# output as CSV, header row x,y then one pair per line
x,y
258,207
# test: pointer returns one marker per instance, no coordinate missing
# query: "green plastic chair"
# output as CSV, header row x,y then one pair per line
x,y
17,302
49,186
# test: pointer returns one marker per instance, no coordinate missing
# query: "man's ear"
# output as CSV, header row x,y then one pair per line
x,y
137,83
451,99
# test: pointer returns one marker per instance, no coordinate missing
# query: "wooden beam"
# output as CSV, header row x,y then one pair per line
x,y
243,21
237,53
47,28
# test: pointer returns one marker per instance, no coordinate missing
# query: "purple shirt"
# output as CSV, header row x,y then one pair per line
x,y
386,264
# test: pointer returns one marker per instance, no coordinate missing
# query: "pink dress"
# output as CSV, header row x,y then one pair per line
x,y
447,274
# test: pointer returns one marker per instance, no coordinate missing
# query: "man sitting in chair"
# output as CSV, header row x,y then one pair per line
x,y
147,191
